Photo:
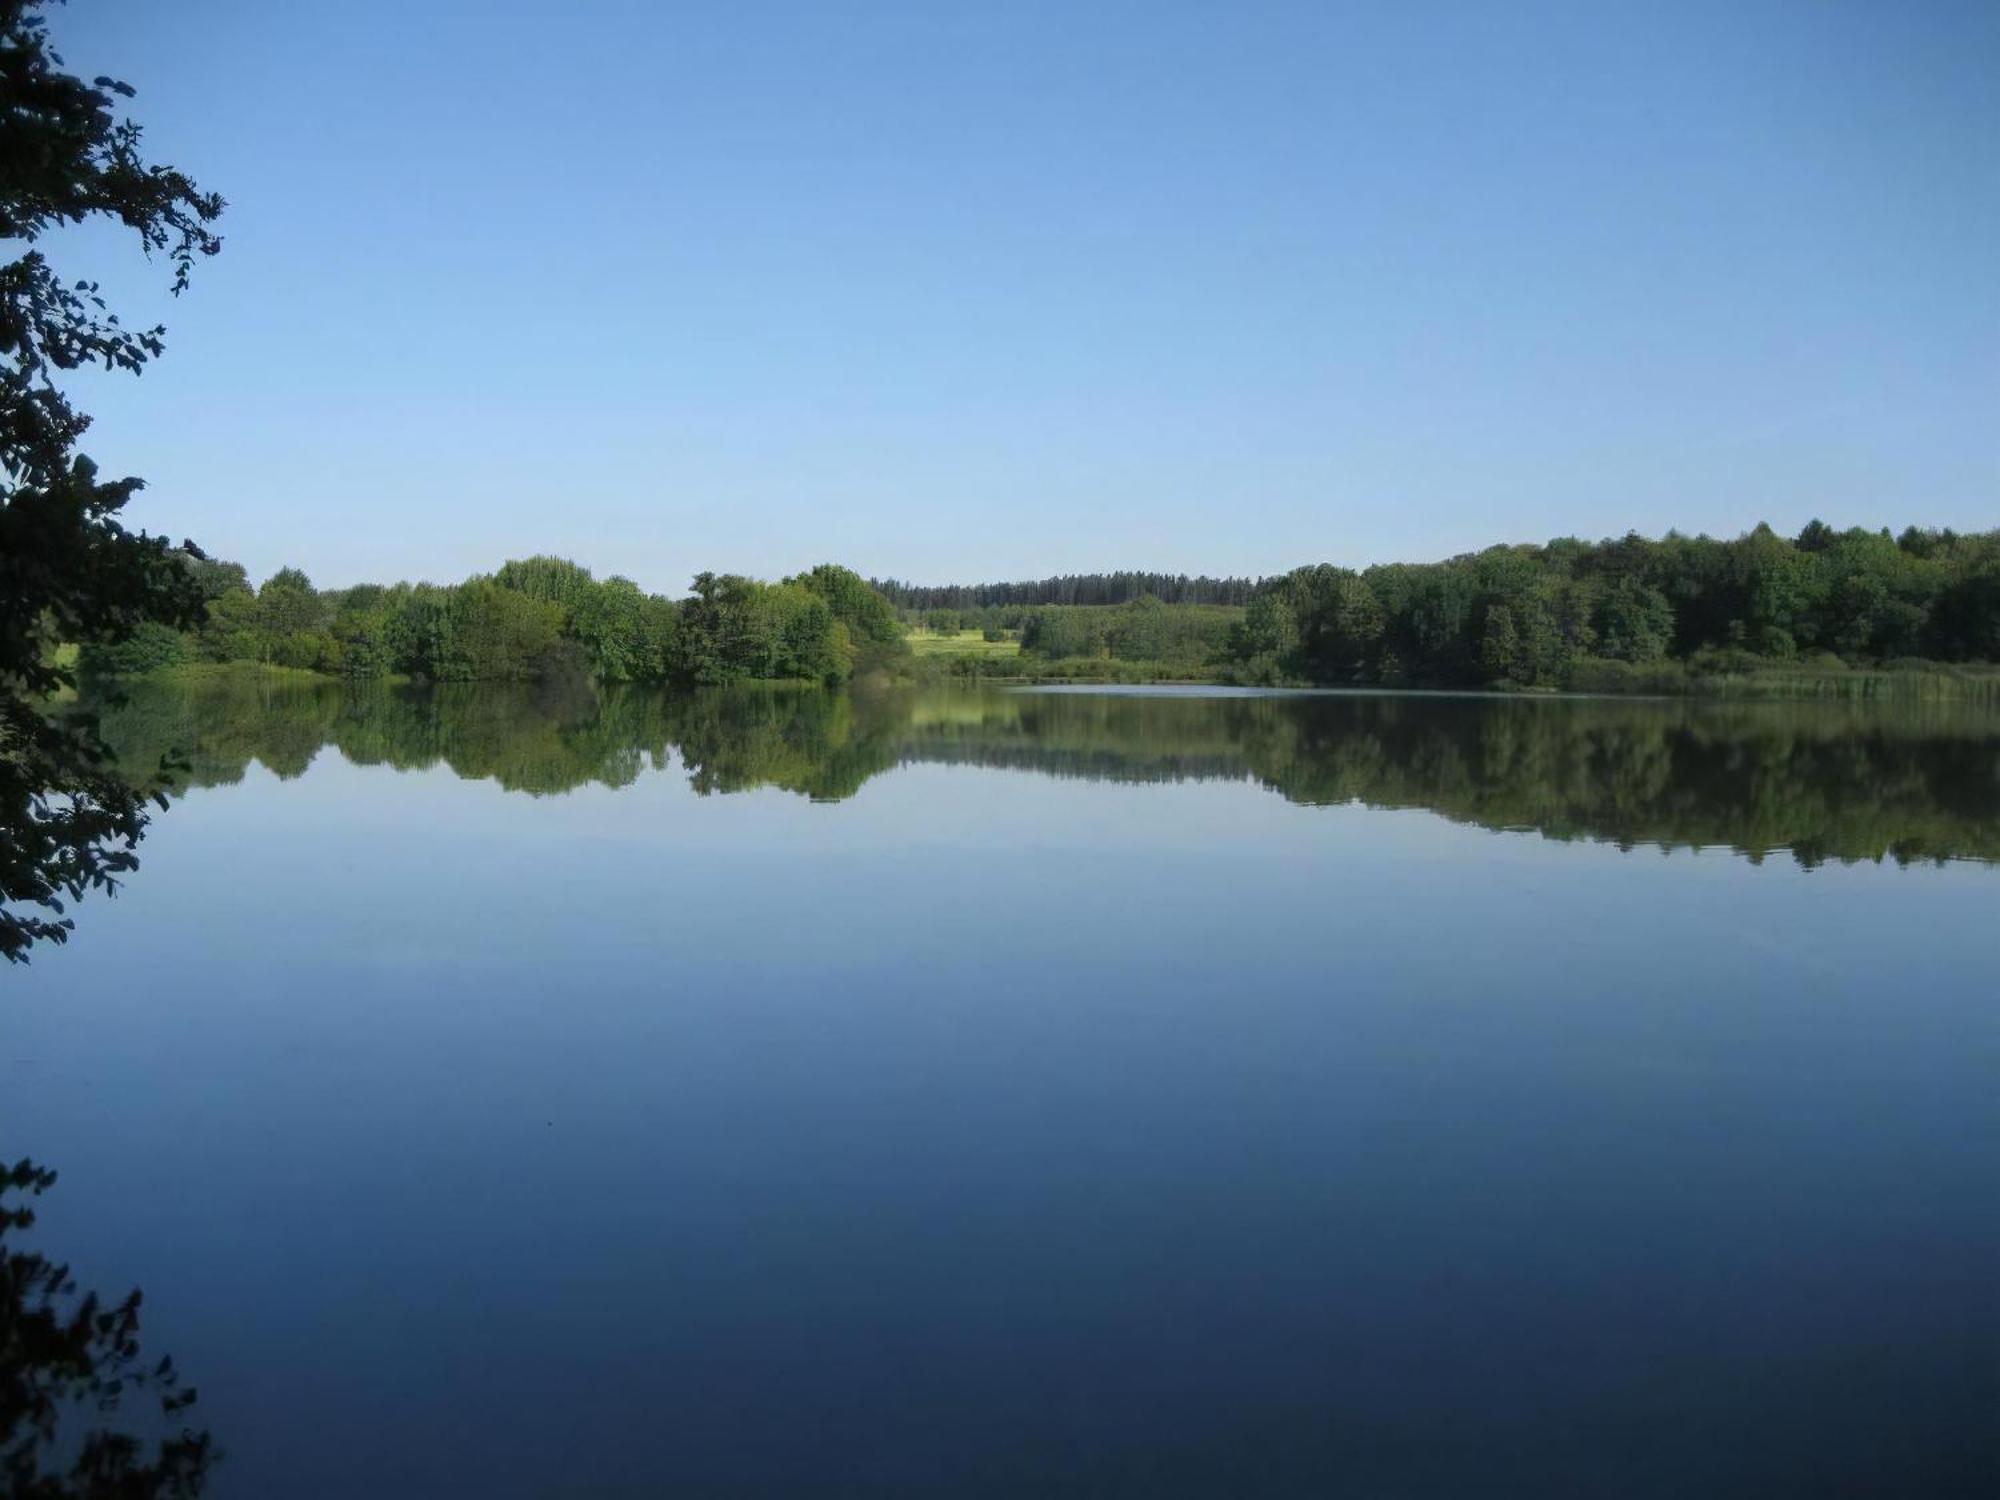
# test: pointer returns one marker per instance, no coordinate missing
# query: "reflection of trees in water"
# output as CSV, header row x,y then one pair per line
x,y
1826,782
538,740
70,1372
1846,782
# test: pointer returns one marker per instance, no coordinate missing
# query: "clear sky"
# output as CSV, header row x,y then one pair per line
x,y
955,291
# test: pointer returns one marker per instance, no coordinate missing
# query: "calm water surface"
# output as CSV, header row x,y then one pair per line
x,y
1081,1094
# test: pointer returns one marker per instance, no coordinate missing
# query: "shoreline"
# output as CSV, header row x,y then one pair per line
x,y
1929,682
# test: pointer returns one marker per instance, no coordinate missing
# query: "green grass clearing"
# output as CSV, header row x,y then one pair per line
x,y
963,643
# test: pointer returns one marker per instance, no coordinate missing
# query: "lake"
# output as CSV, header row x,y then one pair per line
x,y
1086,1093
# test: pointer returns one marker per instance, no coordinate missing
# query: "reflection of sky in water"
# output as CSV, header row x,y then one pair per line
x,y
988,1129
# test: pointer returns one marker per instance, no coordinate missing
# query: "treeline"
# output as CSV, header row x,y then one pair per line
x,y
1146,630
993,621
1671,614
1663,614
1070,588
533,619
1145,640
1582,614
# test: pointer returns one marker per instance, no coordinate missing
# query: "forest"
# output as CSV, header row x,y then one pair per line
x,y
1610,614
537,618
1070,588
1634,614
1674,614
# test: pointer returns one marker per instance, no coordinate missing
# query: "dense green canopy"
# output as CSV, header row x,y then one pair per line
x,y
1576,613
535,618
1665,615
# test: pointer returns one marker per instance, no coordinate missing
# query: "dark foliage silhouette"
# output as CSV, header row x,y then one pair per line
x,y
69,569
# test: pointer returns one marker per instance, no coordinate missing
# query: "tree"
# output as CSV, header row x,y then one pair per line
x,y
150,648
804,639
1440,620
553,580
708,637
1268,637
1968,616
287,604
1784,589
1500,646
1357,623
608,619
69,569
496,634
1635,622
362,629
868,616
230,631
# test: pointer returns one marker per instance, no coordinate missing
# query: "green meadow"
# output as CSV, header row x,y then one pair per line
x,y
963,643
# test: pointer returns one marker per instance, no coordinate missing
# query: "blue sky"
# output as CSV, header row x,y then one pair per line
x,y
957,291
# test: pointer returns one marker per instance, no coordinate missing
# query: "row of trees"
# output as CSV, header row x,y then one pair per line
x,y
1070,588
1570,613
994,621
1147,630
1555,615
535,618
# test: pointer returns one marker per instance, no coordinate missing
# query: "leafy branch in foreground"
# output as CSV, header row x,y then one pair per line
x,y
69,568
